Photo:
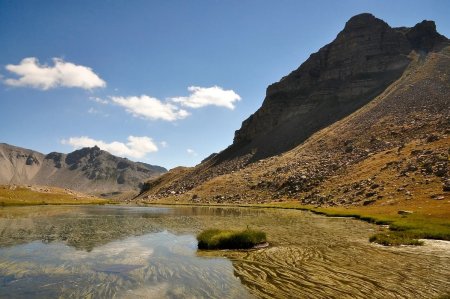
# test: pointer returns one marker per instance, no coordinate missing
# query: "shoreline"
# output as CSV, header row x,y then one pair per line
x,y
397,229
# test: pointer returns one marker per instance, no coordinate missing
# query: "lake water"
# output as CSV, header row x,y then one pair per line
x,y
151,252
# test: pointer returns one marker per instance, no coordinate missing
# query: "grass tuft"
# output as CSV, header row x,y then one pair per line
x,y
228,239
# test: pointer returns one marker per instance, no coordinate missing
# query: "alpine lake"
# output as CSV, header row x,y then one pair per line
x,y
151,252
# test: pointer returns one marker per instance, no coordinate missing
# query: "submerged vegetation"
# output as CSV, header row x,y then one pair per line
x,y
229,239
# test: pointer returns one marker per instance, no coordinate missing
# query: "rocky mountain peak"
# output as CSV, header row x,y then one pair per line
x,y
88,153
424,36
363,21
365,58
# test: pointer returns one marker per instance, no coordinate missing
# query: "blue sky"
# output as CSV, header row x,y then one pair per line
x,y
164,82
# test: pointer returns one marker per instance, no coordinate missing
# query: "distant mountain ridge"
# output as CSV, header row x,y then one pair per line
x,y
89,170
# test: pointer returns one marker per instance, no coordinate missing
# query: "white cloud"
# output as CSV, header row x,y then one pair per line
x,y
92,111
99,100
65,74
136,147
150,108
204,96
97,112
164,144
191,152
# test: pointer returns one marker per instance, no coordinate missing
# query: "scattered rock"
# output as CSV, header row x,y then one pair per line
x,y
446,185
369,202
370,194
432,138
404,212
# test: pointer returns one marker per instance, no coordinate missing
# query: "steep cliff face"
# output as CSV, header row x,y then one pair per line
x,y
89,170
366,57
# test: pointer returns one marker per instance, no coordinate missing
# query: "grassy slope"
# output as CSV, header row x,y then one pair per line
x,y
20,195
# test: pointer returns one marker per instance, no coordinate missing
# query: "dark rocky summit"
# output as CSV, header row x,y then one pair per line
x,y
90,170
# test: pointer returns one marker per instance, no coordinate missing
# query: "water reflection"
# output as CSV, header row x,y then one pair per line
x,y
155,265
135,252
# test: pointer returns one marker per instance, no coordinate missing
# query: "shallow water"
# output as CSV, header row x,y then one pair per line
x,y
140,252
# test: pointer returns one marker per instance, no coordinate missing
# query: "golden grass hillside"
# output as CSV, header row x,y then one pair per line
x,y
40,195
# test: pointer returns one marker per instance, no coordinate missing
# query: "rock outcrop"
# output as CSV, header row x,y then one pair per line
x,y
90,170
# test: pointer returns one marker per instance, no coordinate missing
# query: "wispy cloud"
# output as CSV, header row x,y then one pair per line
x,y
94,111
164,144
99,100
61,74
205,96
191,152
136,147
150,108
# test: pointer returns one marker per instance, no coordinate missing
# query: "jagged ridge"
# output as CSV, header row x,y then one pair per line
x,y
89,170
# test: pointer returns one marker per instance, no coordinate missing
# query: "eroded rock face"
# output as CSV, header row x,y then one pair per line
x,y
366,57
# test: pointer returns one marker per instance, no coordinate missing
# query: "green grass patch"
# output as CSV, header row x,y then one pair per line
x,y
229,239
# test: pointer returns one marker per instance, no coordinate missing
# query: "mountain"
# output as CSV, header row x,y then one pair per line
x,y
356,122
364,59
89,170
